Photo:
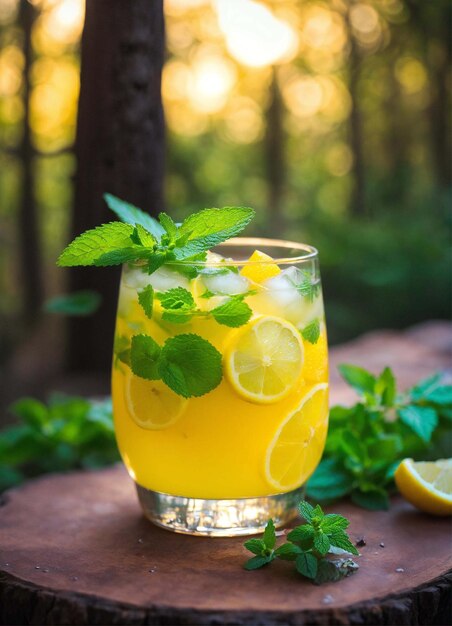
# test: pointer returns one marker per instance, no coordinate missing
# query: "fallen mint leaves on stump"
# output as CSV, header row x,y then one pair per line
x,y
367,441
308,546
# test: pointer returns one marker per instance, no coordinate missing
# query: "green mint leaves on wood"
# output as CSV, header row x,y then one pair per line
x,y
307,546
141,237
367,441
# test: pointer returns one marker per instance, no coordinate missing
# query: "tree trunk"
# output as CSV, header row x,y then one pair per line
x,y
358,199
439,109
275,158
119,146
29,245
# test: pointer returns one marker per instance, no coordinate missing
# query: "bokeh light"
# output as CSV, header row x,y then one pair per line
x,y
254,36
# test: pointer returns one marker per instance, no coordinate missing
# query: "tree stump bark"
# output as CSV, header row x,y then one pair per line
x,y
76,550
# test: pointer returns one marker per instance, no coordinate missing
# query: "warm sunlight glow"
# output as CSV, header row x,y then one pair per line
x,y
65,20
254,36
211,80
303,96
411,74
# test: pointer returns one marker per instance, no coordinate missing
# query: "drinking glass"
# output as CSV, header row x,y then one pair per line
x,y
223,463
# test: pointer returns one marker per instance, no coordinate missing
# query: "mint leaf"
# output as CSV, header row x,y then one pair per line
x,y
332,522
321,543
121,349
307,288
257,561
79,303
180,316
256,546
425,386
270,535
178,304
353,446
120,256
232,313
358,378
146,299
130,214
306,510
208,228
326,572
144,357
421,419
302,535
89,247
288,552
385,386
190,365
306,564
311,332
329,481
373,499
155,261
441,395
339,539
142,237
168,224
176,298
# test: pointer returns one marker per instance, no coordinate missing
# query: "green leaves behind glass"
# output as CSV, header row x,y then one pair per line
x,y
77,304
366,441
64,433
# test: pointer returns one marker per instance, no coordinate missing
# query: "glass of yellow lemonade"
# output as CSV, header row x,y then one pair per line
x,y
220,385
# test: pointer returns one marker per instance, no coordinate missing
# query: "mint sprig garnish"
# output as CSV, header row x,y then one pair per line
x,y
367,441
308,546
209,227
187,363
179,308
109,244
141,237
130,214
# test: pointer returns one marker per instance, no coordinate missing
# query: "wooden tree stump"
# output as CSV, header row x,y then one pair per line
x,y
75,549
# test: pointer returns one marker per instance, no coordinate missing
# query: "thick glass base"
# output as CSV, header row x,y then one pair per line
x,y
218,518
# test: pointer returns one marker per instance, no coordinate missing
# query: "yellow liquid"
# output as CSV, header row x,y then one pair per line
x,y
218,447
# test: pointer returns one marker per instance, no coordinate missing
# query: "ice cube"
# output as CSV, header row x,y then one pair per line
x,y
282,298
162,279
229,283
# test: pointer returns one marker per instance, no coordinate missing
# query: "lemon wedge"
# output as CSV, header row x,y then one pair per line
x,y
151,404
264,359
427,485
261,266
298,443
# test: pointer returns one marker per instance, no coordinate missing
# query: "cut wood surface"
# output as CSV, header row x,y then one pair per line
x,y
75,549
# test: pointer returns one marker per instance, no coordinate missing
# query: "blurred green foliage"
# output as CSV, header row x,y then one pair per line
x,y
64,434
367,441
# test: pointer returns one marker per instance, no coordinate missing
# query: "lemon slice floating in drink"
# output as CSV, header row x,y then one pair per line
x,y
298,443
427,485
151,404
264,359
261,266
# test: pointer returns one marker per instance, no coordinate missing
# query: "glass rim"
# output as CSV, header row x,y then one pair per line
x,y
308,252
